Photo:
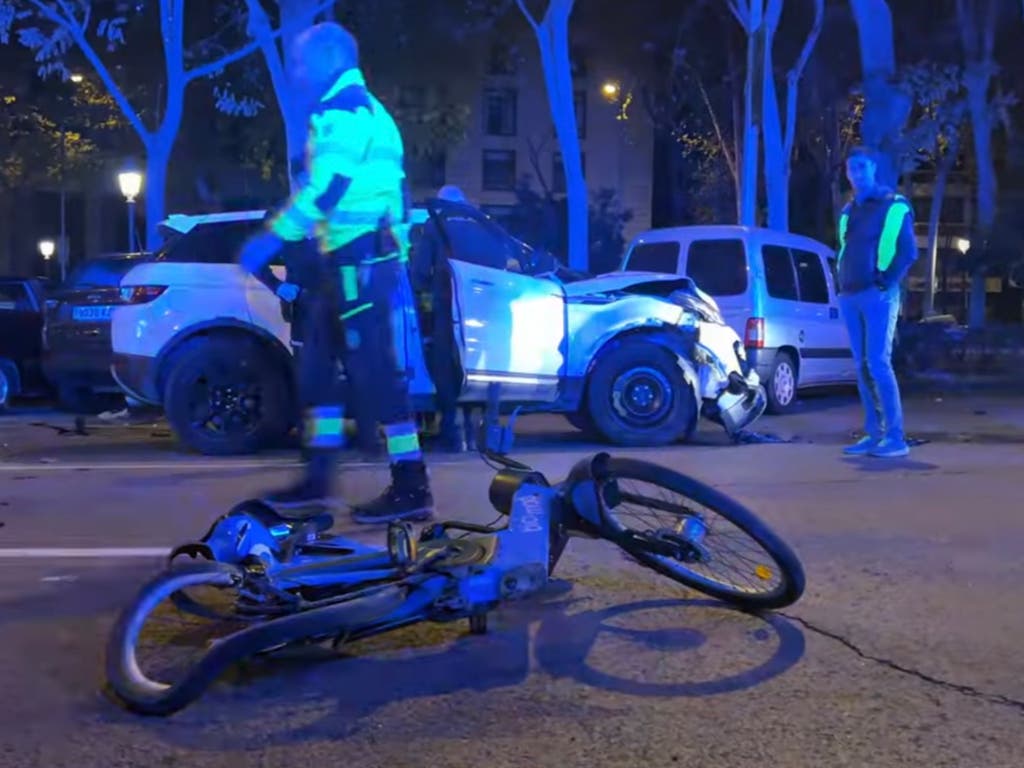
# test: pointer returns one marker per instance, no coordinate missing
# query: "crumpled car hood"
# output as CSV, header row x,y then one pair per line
x,y
650,283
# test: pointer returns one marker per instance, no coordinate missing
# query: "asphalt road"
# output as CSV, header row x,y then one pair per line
x,y
904,651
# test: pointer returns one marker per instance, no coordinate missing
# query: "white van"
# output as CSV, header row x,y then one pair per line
x,y
777,291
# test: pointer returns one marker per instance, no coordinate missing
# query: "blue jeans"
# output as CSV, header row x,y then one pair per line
x,y
871,321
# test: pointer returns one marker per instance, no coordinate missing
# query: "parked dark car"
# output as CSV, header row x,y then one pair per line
x,y
77,351
21,338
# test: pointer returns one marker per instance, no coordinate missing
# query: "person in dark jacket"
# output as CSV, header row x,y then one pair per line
x,y
431,279
876,250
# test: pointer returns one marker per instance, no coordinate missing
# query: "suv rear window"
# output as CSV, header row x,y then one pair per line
x,y
212,243
719,267
654,257
100,273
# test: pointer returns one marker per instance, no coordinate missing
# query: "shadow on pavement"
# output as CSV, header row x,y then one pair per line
x,y
453,674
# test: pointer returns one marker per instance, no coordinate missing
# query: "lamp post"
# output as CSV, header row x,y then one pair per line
x,y
62,244
46,249
130,183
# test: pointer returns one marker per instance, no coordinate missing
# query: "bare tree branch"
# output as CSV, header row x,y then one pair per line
x,y
796,73
213,67
730,156
529,16
78,35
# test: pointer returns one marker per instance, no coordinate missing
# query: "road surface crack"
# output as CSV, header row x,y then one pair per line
x,y
963,690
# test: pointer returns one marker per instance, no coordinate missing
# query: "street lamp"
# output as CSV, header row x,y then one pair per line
x,y
610,90
46,248
130,183
62,244
76,77
963,244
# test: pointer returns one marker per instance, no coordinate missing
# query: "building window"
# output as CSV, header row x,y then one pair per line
x,y
579,104
426,170
499,170
577,62
501,60
500,111
558,172
954,210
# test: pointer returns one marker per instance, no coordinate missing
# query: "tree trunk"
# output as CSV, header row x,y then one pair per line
x,y
295,17
158,158
775,162
977,82
553,41
934,215
885,108
751,119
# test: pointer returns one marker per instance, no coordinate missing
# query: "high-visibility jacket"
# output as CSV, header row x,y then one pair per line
x,y
898,208
355,180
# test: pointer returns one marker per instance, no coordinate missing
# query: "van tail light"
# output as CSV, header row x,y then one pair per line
x,y
753,335
140,294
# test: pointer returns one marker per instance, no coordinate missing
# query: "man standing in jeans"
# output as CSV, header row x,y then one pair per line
x,y
876,250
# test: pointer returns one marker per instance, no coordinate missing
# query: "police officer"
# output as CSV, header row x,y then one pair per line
x,y
354,200
876,250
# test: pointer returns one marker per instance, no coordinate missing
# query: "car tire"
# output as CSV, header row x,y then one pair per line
x,y
637,396
224,396
6,389
781,384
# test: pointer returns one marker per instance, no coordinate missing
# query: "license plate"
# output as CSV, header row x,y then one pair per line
x,y
84,314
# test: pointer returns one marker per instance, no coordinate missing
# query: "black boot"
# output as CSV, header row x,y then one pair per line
x,y
407,498
313,490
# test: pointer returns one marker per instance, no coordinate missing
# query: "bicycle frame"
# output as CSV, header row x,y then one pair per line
x,y
520,556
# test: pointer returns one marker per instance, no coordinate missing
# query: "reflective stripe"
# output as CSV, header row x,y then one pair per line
x,y
891,233
403,442
356,310
349,282
324,427
844,219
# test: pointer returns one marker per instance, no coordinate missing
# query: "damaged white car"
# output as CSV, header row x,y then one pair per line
x,y
636,358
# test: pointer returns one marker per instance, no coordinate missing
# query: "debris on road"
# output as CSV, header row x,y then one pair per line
x,y
749,437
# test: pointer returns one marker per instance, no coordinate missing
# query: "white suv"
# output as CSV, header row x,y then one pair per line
x,y
636,358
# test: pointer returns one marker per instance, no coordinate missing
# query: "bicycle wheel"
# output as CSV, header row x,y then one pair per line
x,y
721,549
238,632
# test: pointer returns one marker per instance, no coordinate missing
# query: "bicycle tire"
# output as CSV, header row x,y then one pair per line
x,y
793,580
139,694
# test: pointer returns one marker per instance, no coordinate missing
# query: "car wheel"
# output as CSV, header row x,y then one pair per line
x,y
637,395
782,384
226,397
5,389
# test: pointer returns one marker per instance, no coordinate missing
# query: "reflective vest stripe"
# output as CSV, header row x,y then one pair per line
x,y
844,219
891,233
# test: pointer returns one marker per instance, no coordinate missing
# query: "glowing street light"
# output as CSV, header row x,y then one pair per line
x,y
963,244
130,183
47,248
76,77
610,90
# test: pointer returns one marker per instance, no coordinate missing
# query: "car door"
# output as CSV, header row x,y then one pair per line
x,y
21,324
824,345
510,327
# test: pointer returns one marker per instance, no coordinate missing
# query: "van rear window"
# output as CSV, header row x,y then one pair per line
x,y
654,257
719,267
